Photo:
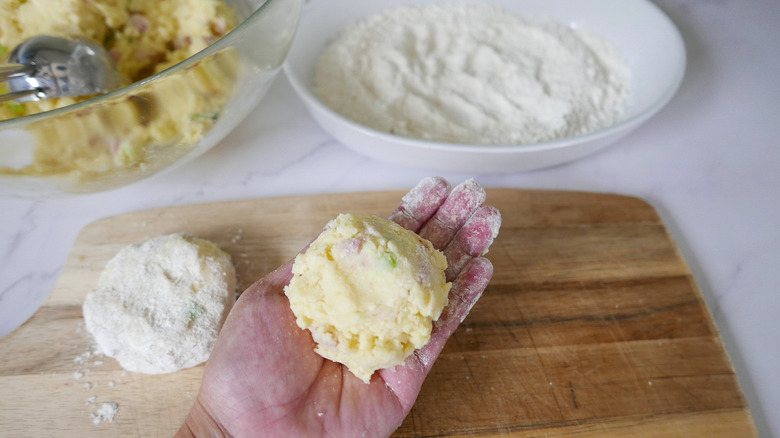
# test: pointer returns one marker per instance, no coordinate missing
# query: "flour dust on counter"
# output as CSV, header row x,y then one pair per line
x,y
106,412
91,360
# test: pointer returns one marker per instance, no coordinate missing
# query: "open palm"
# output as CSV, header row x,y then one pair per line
x,y
264,378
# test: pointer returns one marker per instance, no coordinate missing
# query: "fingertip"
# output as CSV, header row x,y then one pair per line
x,y
478,271
472,186
495,219
472,240
465,197
421,202
473,279
436,183
460,205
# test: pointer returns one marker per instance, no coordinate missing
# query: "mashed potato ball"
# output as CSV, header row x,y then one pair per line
x,y
368,290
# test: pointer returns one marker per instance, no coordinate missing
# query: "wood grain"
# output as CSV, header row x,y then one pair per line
x,y
592,327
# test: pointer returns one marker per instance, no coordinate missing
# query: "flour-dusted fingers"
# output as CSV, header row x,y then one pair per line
x,y
405,380
472,240
461,203
421,203
466,289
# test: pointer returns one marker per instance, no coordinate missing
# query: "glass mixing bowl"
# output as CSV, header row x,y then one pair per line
x,y
155,124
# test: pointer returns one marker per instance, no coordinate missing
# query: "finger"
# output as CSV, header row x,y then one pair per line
x,y
406,380
466,290
461,203
421,203
472,240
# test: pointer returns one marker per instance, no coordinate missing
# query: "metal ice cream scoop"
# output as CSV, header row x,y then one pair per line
x,y
44,67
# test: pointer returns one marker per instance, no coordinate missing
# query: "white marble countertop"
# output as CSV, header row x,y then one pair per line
x,y
709,163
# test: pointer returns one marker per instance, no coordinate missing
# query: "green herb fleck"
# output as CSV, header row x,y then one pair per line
x,y
211,117
16,108
4,51
195,311
390,259
129,152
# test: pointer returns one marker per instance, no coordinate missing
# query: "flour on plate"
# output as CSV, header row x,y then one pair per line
x,y
473,74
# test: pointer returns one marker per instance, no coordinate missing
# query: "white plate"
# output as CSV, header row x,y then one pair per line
x,y
646,38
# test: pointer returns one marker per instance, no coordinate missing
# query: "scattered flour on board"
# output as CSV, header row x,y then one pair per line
x,y
106,412
93,357
472,74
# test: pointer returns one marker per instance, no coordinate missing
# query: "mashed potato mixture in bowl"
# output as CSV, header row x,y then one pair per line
x,y
191,70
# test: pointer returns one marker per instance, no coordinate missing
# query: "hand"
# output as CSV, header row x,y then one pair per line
x,y
263,377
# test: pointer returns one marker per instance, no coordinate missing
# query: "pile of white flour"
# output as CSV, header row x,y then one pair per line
x,y
473,74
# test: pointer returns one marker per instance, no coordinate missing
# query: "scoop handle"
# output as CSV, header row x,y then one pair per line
x,y
19,95
13,71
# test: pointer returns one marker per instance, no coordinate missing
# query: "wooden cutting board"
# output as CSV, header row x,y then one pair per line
x,y
591,327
